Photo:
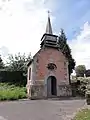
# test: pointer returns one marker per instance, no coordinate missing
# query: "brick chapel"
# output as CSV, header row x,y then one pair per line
x,y
48,70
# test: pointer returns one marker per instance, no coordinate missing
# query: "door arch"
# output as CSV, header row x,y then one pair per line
x,y
51,86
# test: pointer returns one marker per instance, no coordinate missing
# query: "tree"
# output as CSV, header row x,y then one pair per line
x,y
1,63
16,69
87,73
63,36
66,50
64,47
18,62
80,70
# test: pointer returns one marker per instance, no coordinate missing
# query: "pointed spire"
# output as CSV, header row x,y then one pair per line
x,y
49,27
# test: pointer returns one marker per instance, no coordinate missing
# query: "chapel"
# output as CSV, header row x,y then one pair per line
x,y
48,74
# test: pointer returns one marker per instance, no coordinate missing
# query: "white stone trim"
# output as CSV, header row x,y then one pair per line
x,y
67,71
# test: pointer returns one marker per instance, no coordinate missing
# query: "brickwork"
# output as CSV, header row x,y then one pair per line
x,y
37,85
44,57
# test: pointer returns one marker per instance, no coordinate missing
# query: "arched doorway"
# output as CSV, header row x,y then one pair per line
x,y
51,86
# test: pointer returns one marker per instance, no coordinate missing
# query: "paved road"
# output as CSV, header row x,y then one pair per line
x,y
39,109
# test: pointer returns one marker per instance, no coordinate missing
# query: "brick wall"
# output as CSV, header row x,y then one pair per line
x,y
46,56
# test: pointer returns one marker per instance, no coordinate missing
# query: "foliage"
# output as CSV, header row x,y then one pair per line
x,y
81,89
80,85
11,92
84,114
80,70
78,89
87,95
66,50
71,65
87,73
84,80
17,62
63,36
15,70
1,63
13,77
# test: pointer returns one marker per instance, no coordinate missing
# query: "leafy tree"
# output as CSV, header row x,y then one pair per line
x,y
64,47
87,73
80,70
17,67
1,63
18,62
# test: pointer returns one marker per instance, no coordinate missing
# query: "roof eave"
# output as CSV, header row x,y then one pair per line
x,y
29,63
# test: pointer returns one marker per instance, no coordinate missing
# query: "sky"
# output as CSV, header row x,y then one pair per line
x,y
23,22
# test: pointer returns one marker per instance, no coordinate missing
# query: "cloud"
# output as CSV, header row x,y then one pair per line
x,y
22,24
4,51
81,46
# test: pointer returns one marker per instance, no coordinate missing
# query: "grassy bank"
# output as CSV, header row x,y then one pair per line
x,y
11,92
83,115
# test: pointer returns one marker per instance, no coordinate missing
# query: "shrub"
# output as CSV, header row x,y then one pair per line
x,y
10,92
81,85
82,89
87,73
87,95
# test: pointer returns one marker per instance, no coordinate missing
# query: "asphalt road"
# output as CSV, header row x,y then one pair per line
x,y
39,109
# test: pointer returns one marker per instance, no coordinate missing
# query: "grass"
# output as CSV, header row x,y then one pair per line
x,y
11,92
83,115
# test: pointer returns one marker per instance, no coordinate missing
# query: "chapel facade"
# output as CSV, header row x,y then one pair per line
x,y
48,74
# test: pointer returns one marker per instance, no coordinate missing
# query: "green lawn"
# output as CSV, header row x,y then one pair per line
x,y
83,115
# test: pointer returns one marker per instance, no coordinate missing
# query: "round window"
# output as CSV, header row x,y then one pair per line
x,y
51,66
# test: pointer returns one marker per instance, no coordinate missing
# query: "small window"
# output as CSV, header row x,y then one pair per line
x,y
29,73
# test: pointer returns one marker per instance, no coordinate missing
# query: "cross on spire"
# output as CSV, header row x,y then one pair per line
x,y
48,13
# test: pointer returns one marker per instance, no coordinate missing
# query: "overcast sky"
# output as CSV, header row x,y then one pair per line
x,y
23,22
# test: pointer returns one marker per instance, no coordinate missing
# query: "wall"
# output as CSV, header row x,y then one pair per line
x,y
64,90
40,73
46,56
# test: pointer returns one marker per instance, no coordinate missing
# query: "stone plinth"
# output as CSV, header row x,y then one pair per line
x,y
36,92
64,90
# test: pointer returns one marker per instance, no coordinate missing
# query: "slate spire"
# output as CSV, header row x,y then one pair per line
x,y
49,27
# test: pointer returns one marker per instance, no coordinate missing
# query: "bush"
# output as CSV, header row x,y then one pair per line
x,y
80,86
82,89
13,77
82,79
87,95
10,92
87,73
